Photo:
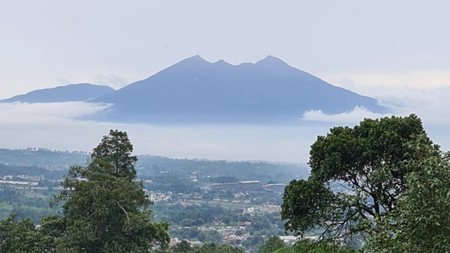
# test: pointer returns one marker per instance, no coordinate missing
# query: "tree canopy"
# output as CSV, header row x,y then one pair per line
x,y
357,177
271,244
105,207
421,221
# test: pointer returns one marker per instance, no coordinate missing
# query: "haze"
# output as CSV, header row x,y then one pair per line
x,y
395,51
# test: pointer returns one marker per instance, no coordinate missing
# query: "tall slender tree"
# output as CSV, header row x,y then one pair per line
x,y
105,207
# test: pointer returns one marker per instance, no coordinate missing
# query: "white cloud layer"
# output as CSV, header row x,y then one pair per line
x,y
12,113
56,126
353,117
431,105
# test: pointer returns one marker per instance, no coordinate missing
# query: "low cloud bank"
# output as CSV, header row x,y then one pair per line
x,y
11,113
352,117
431,105
57,126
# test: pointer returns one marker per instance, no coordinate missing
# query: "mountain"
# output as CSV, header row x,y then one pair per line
x,y
67,93
195,90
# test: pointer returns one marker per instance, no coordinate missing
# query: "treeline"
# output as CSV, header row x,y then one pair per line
x,y
44,158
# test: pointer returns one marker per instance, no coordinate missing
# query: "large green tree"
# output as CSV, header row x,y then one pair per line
x,y
105,207
421,221
357,177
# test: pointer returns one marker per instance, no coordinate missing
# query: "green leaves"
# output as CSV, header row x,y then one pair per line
x,y
421,221
105,208
272,244
373,160
305,205
115,149
20,236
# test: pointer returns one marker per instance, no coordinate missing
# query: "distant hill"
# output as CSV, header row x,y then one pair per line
x,y
45,158
194,90
67,93
55,164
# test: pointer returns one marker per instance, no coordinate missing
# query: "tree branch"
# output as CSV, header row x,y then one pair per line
x,y
123,209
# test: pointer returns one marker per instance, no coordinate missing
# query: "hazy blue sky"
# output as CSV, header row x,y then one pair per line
x,y
351,43
394,50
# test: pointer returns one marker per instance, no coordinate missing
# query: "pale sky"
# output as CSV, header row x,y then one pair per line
x,y
397,51
360,45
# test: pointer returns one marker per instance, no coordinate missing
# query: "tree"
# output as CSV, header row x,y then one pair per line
x,y
116,149
421,221
19,236
369,163
105,207
272,244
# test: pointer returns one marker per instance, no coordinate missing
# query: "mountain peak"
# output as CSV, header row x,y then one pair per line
x,y
198,91
221,62
195,58
271,60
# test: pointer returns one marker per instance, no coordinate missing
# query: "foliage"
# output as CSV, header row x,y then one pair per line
x,y
310,199
370,161
19,236
272,244
115,150
105,207
421,222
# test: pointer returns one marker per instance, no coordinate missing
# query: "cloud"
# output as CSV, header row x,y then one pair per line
x,y
356,115
431,105
114,80
387,83
55,126
11,113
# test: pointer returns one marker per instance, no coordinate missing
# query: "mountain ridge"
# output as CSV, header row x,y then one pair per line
x,y
197,91
65,93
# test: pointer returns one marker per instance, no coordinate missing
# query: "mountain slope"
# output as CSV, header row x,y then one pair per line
x,y
195,90
67,93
